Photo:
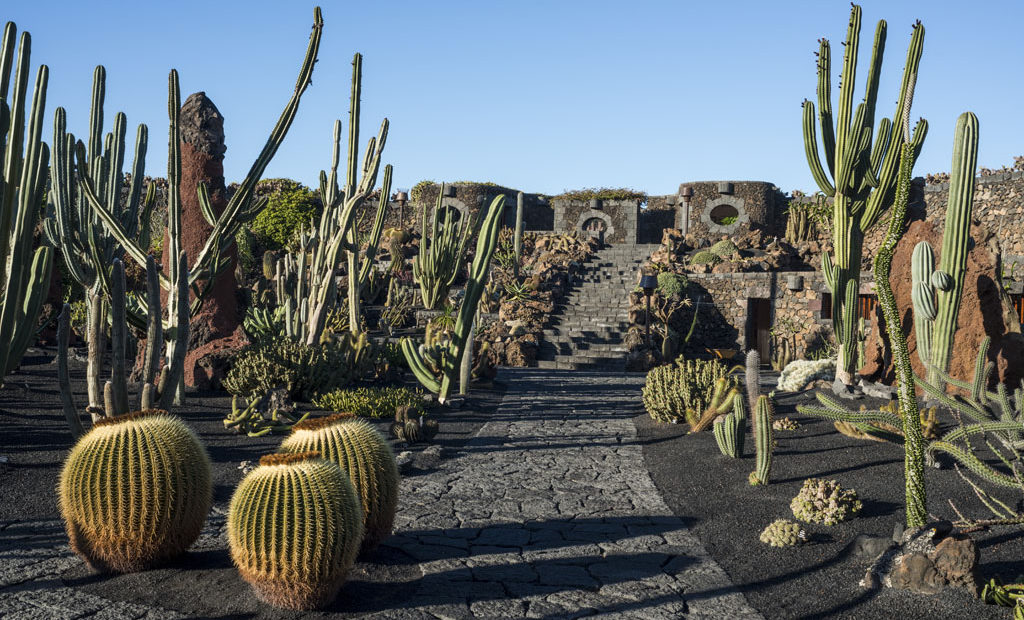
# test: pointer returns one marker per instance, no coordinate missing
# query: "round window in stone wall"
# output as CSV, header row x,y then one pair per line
x,y
595,225
724,215
448,212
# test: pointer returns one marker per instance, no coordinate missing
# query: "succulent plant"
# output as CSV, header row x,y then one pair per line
x,y
796,375
783,533
135,491
361,451
303,564
785,424
682,391
705,257
412,427
724,248
824,501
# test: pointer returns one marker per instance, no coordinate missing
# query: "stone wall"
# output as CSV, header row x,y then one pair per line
x,y
754,201
620,217
538,214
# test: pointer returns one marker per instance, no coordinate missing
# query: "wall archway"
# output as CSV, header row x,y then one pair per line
x,y
590,218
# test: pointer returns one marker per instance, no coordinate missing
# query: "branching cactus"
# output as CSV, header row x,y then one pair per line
x,y
440,259
764,440
24,273
450,354
937,292
360,451
135,491
303,564
731,430
861,177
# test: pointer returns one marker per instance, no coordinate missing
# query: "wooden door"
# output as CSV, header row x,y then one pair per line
x,y
759,323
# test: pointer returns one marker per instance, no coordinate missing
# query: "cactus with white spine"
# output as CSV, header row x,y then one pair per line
x,y
24,272
863,176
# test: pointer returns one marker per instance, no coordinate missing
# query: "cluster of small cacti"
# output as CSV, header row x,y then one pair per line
x,y
372,402
682,391
705,257
1005,595
731,430
785,424
764,441
721,401
724,249
258,418
783,533
824,501
796,375
411,426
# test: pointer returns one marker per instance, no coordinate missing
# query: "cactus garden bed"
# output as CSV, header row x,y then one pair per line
x,y
203,583
818,578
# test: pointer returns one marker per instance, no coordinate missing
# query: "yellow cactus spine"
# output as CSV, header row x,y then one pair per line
x,y
361,451
135,491
294,528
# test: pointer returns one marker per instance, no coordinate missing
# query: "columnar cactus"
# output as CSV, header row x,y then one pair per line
x,y
518,241
763,437
936,293
294,528
24,273
731,430
439,261
863,176
134,491
752,375
361,452
452,352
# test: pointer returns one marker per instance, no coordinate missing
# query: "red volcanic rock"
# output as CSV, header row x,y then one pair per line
x,y
207,365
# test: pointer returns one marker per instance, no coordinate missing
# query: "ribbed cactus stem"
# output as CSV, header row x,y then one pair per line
x,y
154,327
174,368
118,337
753,377
955,241
763,437
730,431
518,241
63,378
922,266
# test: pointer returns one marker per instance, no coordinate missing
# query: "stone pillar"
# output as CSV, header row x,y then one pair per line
x,y
683,217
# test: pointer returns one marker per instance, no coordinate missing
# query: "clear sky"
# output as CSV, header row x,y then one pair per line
x,y
537,95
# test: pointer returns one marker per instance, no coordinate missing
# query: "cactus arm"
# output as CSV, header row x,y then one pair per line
x,y
154,327
38,284
418,367
824,93
177,348
118,372
67,398
976,466
811,150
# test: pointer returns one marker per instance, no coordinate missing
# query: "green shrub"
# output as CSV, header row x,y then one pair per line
x,y
670,284
724,248
373,402
673,392
304,370
288,209
705,257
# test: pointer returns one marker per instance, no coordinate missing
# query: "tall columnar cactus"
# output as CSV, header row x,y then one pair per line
x,y
361,452
451,353
518,241
306,281
439,261
937,293
863,176
243,207
135,491
763,439
752,375
24,273
87,247
731,430
303,564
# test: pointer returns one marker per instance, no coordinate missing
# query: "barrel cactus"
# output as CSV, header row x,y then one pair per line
x,y
783,533
294,528
361,451
135,491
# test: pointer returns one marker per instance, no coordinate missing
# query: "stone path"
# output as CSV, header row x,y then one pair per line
x,y
547,513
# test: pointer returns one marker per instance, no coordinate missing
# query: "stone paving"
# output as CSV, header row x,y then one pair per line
x,y
547,513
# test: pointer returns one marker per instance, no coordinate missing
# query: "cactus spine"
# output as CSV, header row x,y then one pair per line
x,y
438,261
452,352
936,293
730,431
24,274
518,241
135,491
361,452
763,438
303,564
863,177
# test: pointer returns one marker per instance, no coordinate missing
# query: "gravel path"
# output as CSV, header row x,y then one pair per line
x,y
548,512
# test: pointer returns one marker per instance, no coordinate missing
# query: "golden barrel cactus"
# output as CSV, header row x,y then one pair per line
x,y
294,528
135,491
361,451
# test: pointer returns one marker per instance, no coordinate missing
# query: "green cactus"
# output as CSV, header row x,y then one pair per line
x,y
752,375
764,440
439,261
724,249
134,491
863,176
731,430
673,391
361,452
783,533
518,243
824,501
705,257
721,401
24,273
937,293
450,354
303,564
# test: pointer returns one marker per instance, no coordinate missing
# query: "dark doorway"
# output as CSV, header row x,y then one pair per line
x,y
759,324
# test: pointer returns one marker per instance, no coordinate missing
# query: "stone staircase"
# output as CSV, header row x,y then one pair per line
x,y
588,326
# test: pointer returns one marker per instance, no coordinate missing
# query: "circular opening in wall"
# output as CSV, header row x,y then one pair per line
x,y
595,225
448,212
724,215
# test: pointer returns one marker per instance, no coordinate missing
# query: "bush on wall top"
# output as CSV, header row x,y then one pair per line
x,y
290,206
602,193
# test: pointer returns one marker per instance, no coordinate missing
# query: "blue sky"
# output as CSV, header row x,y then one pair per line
x,y
538,95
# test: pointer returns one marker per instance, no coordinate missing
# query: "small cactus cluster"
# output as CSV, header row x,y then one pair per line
x,y
731,430
360,450
783,533
724,249
785,424
411,426
824,501
135,491
705,257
